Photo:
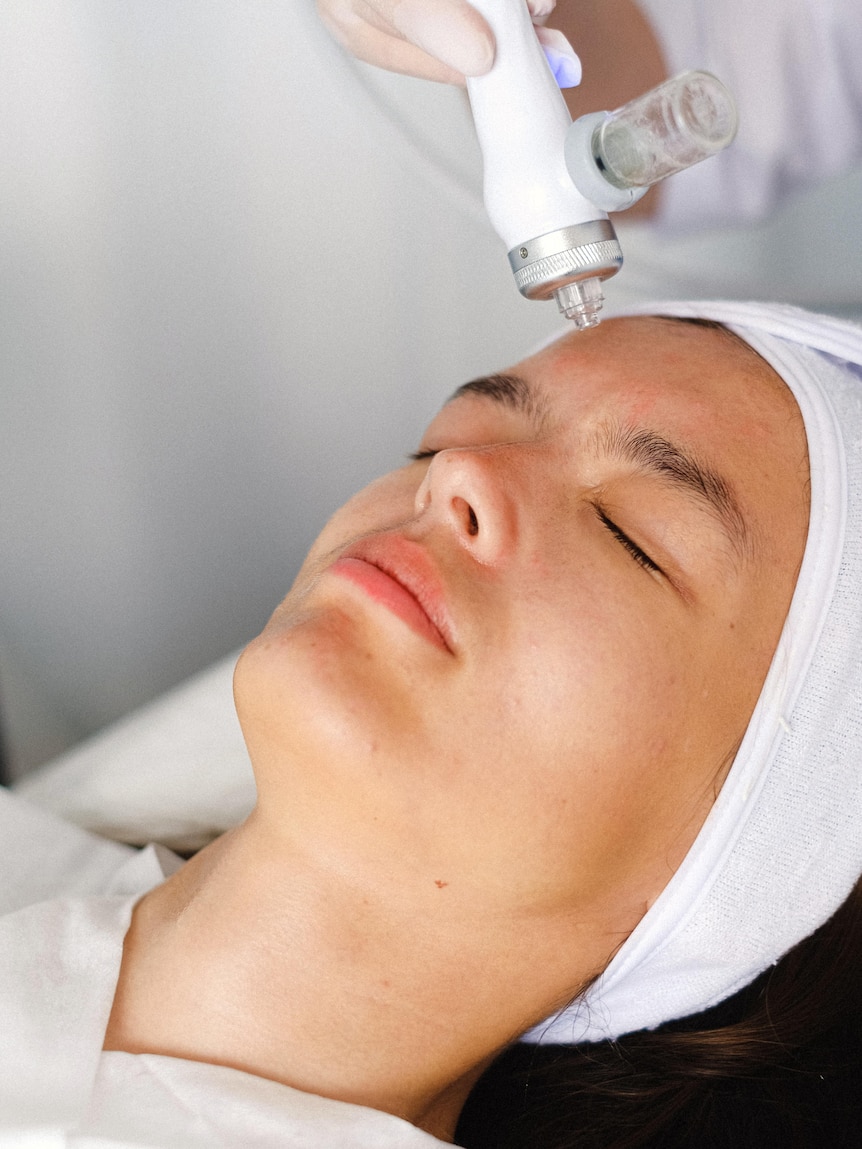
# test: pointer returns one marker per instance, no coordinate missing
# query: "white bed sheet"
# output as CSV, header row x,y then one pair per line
x,y
175,771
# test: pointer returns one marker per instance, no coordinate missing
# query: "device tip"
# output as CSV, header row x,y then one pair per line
x,y
581,302
583,319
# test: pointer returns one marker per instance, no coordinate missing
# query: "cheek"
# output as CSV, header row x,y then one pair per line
x,y
606,687
599,710
581,680
619,782
577,775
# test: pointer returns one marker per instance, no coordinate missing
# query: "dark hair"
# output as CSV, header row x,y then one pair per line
x,y
779,1064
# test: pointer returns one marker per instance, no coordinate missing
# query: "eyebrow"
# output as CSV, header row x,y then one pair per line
x,y
653,453
645,449
510,391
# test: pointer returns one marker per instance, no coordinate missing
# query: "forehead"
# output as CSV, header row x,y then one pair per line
x,y
650,369
699,386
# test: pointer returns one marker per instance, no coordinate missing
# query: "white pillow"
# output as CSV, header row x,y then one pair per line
x,y
176,771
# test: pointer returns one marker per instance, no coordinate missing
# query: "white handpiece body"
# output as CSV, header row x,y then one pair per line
x,y
560,244
521,121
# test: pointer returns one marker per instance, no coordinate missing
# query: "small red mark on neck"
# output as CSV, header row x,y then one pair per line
x,y
439,883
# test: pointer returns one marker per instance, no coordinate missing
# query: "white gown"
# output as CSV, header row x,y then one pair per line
x,y
59,964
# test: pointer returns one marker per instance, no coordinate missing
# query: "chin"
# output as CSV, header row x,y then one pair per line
x,y
312,688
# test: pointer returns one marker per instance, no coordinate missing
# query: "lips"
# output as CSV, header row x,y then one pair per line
x,y
398,574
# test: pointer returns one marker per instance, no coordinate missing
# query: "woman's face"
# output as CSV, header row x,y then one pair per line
x,y
518,667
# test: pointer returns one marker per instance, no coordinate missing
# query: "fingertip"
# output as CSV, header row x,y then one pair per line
x,y
458,36
480,58
562,57
567,71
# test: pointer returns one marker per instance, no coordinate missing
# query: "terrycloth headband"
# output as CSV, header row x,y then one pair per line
x,y
782,846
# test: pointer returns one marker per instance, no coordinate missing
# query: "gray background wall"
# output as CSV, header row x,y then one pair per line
x,y
238,272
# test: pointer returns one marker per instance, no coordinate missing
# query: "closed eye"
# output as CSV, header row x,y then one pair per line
x,y
639,556
418,456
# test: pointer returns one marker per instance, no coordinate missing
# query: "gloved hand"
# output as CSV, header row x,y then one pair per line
x,y
444,40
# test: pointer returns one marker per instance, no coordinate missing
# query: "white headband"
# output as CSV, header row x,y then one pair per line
x,y
782,847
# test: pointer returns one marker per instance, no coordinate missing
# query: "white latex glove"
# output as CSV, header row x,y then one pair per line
x,y
444,40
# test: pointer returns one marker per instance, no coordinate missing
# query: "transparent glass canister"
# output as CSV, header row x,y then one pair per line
x,y
677,124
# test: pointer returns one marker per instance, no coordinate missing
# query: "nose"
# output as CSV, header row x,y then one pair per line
x,y
464,491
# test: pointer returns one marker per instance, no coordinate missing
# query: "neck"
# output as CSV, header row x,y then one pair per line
x,y
258,957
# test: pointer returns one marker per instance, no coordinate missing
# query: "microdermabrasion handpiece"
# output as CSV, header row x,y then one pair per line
x,y
548,183
560,245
